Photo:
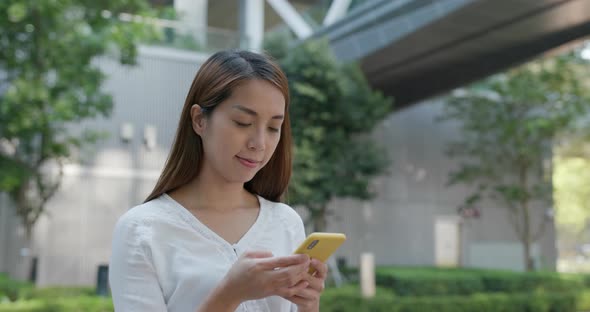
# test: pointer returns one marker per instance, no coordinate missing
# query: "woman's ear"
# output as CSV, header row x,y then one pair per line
x,y
198,119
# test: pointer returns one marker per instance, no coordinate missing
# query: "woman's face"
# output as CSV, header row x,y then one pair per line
x,y
241,134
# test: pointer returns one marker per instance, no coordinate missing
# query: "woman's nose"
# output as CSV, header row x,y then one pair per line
x,y
256,141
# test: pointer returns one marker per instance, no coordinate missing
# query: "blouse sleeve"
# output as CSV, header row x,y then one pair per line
x,y
133,281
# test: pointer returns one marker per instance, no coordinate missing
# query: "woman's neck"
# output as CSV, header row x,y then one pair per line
x,y
206,192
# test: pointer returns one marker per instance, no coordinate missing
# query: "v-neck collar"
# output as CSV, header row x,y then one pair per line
x,y
246,240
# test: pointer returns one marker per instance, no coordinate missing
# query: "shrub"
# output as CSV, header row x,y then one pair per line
x,y
10,288
498,281
348,299
583,300
444,282
79,304
48,293
429,282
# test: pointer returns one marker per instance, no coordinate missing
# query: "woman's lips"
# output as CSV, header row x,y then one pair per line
x,y
248,162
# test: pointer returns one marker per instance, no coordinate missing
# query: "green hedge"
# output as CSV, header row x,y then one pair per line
x,y
47,293
10,288
522,302
583,301
407,290
444,282
511,282
585,278
414,282
79,304
347,299
15,290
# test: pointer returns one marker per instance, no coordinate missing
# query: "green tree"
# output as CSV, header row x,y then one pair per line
x,y
509,123
48,82
333,111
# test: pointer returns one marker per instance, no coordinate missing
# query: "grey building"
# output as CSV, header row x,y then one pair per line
x,y
412,221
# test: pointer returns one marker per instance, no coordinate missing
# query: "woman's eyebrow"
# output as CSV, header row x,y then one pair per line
x,y
253,113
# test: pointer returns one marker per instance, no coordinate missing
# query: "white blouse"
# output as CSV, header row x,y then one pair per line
x,y
164,259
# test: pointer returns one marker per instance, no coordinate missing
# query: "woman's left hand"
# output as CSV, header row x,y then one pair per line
x,y
308,299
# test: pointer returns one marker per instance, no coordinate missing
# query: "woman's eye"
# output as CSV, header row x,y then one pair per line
x,y
273,129
241,124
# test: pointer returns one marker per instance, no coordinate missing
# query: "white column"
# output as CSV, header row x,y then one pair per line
x,y
193,14
251,24
368,287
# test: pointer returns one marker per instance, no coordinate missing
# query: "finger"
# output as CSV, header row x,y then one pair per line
x,y
316,284
282,262
321,269
287,292
307,294
291,275
301,285
297,300
258,254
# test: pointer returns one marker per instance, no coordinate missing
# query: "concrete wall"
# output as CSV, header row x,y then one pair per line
x,y
398,225
74,237
10,238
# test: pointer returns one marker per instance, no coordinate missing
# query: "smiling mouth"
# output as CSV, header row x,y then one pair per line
x,y
248,162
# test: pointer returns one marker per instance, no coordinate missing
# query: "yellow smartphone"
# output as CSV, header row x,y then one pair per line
x,y
320,245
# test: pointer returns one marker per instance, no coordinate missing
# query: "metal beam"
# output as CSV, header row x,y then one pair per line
x,y
284,9
337,10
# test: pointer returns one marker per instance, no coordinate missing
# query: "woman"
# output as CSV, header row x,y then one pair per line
x,y
212,235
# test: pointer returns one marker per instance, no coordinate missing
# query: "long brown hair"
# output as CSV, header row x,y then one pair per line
x,y
212,84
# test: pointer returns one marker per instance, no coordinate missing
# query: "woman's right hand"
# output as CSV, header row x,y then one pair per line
x,y
257,274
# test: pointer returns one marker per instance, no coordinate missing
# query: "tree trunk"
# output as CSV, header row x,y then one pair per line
x,y
526,237
528,260
28,259
320,223
30,262
526,219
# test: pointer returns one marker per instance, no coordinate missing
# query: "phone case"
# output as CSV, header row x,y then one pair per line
x,y
320,245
